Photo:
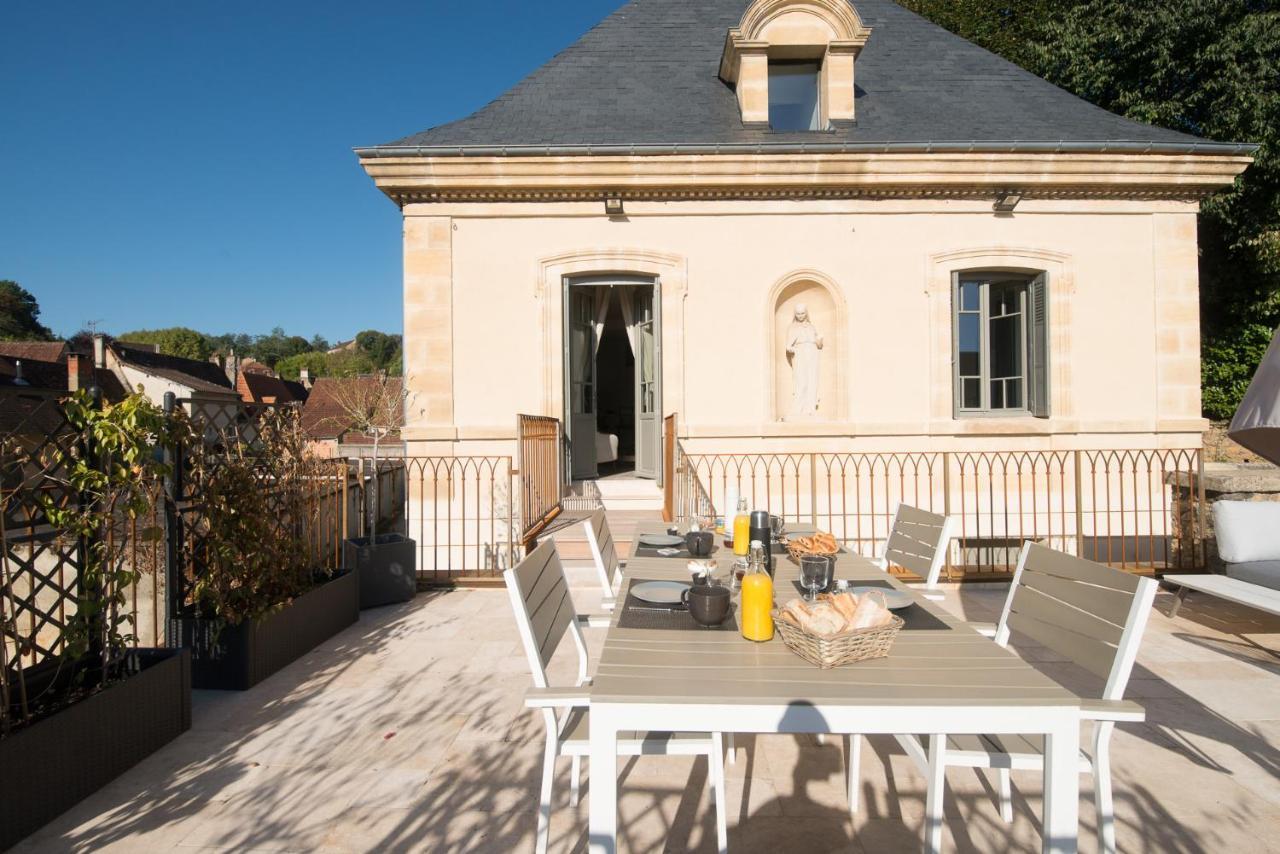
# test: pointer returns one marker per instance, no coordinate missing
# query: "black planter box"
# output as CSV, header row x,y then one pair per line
x,y
51,765
235,658
388,568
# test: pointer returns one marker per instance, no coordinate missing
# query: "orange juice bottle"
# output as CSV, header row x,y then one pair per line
x,y
757,598
742,529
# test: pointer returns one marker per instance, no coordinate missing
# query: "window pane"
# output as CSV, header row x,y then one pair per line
x,y
972,393
1013,394
997,394
793,95
1005,340
970,361
969,296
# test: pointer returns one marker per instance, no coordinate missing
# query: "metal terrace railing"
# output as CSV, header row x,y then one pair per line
x,y
1140,510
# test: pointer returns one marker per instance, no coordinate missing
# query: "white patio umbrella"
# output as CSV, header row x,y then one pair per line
x,y
1256,424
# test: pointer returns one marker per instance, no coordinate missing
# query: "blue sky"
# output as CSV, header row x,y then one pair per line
x,y
190,164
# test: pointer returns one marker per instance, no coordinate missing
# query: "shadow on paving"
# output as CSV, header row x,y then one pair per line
x,y
407,733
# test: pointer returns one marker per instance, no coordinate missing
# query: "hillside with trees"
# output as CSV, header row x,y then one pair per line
x,y
1206,67
369,352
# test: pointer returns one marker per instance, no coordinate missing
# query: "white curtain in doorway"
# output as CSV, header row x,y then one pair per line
x,y
628,318
602,296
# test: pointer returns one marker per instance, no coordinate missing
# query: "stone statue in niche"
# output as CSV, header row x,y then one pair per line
x,y
803,344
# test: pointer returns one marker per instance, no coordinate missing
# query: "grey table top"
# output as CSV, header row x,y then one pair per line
x,y
947,668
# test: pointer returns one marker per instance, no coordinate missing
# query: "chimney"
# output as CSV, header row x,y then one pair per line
x,y
233,368
304,377
79,374
100,351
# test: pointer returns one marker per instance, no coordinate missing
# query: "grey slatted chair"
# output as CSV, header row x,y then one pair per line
x,y
605,556
1095,616
918,541
544,614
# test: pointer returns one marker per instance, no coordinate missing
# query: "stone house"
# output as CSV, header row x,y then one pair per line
x,y
798,225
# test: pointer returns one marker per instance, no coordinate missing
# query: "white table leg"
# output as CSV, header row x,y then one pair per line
x,y
603,791
935,791
1061,788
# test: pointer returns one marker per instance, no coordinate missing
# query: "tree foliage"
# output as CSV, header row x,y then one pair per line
x,y
19,314
174,341
1206,67
378,346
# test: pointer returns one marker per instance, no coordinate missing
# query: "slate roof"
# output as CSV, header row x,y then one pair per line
x,y
36,373
648,76
195,374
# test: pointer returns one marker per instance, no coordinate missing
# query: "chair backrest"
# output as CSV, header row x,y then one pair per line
x,y
543,609
918,541
1090,613
603,552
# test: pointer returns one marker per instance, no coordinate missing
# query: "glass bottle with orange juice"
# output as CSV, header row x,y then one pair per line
x,y
742,529
757,598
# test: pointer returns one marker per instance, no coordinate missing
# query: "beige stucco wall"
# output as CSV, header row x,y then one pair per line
x,y
483,316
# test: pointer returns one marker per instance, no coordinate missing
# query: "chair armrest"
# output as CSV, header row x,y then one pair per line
x,y
595,621
1124,711
557,698
987,630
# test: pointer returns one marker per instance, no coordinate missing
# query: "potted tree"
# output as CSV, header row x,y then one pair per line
x,y
88,484
254,595
386,562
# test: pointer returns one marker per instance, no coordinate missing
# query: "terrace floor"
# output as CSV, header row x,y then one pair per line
x,y
406,733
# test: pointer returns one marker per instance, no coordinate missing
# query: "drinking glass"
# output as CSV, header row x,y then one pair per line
x,y
777,524
813,575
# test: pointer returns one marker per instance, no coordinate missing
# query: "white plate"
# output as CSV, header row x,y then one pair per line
x,y
893,599
660,540
660,592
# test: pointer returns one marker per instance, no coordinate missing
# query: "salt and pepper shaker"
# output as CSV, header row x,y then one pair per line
x,y
761,530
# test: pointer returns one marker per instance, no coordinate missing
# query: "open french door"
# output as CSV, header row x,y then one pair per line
x,y
648,382
580,385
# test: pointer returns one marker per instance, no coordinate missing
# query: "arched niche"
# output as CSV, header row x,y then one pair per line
x,y
826,310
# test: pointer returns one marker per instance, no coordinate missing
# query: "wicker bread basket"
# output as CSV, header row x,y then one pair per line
x,y
797,551
846,648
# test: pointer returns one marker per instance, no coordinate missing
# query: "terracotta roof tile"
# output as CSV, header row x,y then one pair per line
x,y
324,418
42,351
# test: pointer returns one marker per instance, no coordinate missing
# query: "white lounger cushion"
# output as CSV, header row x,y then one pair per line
x,y
1265,573
1247,530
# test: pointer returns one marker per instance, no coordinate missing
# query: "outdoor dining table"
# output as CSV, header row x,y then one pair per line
x,y
941,678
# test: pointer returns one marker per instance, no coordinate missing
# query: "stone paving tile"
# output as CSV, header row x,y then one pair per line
x,y
407,733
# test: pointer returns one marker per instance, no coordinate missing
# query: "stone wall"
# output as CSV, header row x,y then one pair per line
x,y
1222,482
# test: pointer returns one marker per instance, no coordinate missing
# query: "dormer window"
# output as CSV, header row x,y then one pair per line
x,y
790,63
793,95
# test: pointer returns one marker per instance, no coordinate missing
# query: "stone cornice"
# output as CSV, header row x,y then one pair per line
x,y
1183,176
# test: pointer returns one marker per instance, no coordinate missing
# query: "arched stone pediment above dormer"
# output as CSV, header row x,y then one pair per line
x,y
801,22
828,33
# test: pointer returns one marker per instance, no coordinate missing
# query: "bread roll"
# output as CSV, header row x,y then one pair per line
x,y
795,612
870,613
846,604
824,620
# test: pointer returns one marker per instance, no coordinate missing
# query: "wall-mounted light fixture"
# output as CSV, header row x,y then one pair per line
x,y
1006,201
613,206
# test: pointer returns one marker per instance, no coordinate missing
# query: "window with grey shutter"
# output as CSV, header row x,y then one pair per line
x,y
1000,344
